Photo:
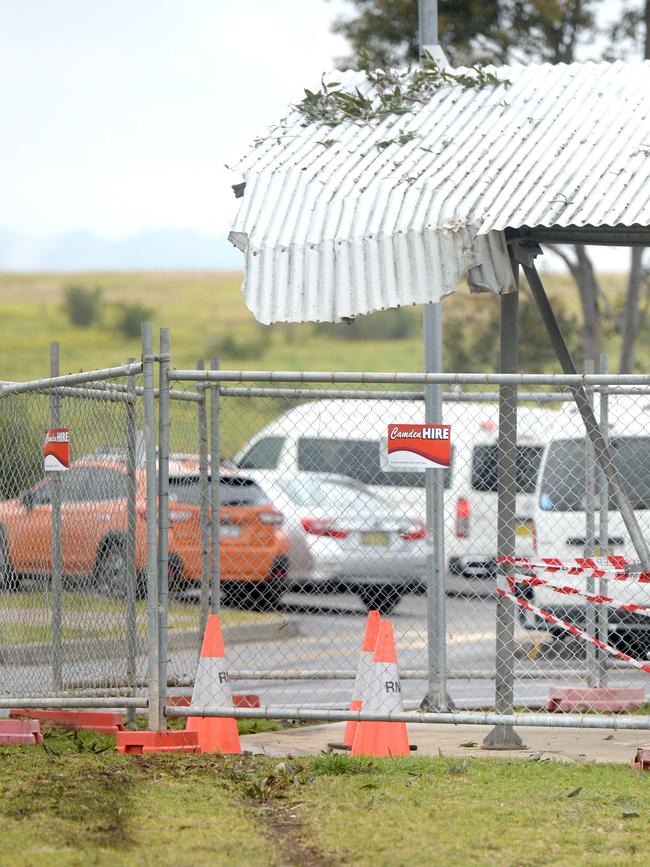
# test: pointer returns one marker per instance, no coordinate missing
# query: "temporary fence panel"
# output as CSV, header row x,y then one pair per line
x,y
72,549
295,589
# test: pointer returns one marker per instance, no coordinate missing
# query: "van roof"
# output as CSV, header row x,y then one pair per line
x,y
366,419
629,415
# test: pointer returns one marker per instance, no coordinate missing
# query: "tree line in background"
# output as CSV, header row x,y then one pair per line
x,y
84,306
525,31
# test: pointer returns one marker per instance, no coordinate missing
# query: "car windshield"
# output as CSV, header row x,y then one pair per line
x,y
233,491
485,467
563,483
358,459
314,492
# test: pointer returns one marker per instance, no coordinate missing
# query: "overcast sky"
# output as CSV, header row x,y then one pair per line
x,y
119,116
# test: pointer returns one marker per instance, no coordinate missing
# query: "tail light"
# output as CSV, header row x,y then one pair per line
x,y
533,533
275,518
463,512
323,527
416,531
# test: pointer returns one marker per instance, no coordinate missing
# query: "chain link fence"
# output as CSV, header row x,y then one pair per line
x,y
351,535
274,504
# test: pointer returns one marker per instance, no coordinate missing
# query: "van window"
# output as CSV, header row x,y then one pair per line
x,y
485,468
264,455
563,483
358,459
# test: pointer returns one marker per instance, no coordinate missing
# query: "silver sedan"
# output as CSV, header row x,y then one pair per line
x,y
344,537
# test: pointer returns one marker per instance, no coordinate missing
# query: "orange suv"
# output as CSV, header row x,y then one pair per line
x,y
94,524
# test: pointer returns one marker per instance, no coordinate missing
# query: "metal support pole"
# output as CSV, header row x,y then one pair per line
x,y
526,253
436,697
204,483
55,487
131,543
603,524
155,705
163,509
504,737
428,23
590,537
215,497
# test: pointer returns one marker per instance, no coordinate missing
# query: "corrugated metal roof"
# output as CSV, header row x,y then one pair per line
x,y
332,225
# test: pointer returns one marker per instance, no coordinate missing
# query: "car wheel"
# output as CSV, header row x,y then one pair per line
x,y
176,582
634,645
265,596
382,599
111,572
9,581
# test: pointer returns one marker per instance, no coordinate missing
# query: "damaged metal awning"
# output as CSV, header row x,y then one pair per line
x,y
340,220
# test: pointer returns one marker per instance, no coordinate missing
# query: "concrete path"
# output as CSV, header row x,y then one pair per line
x,y
567,745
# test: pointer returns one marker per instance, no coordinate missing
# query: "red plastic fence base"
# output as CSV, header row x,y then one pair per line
x,y
583,699
242,700
103,722
642,759
20,731
137,743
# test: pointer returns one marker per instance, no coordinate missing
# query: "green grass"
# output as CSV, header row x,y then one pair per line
x,y
77,802
204,309
95,616
201,308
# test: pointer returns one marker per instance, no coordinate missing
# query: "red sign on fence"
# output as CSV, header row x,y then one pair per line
x,y
419,446
57,449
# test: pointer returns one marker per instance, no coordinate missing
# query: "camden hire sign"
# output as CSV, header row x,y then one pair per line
x,y
418,446
56,451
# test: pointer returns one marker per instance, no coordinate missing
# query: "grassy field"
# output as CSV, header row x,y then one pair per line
x,y
25,617
207,316
203,309
77,802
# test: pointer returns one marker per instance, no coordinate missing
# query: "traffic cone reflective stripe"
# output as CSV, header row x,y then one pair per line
x,y
363,671
212,689
383,695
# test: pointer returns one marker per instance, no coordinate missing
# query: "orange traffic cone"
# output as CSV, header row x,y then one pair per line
x,y
383,695
212,689
363,670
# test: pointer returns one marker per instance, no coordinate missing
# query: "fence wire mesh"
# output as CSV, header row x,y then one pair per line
x,y
72,554
319,532
284,516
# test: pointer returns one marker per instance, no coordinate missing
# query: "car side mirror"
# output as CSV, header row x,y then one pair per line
x,y
28,500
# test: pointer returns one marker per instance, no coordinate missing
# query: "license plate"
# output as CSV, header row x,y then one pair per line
x,y
525,528
229,531
375,538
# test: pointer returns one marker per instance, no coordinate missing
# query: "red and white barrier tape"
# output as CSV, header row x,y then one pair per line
x,y
614,567
598,599
573,630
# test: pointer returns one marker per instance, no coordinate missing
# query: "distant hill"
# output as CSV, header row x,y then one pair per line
x,y
84,251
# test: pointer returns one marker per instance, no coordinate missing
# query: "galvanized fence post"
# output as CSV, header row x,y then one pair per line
x,y
589,548
155,707
504,736
215,497
603,523
55,488
163,508
436,697
131,575
204,517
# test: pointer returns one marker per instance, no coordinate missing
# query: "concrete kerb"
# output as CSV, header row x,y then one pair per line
x,y
279,629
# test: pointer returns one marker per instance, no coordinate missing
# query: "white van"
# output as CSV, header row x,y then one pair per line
x,y
344,437
560,516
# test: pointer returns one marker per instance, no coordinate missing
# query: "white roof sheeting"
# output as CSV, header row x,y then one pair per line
x,y
332,226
